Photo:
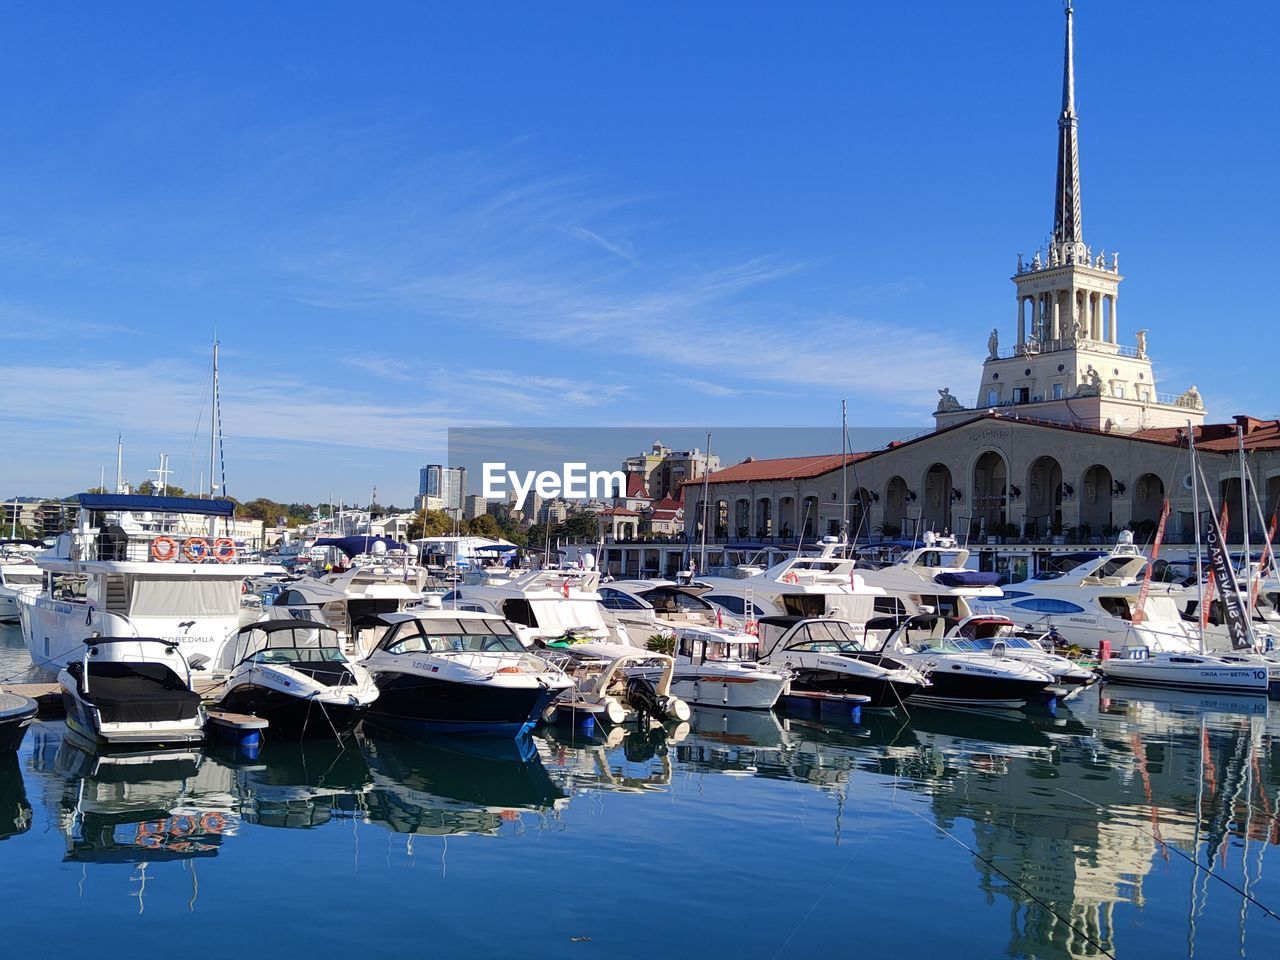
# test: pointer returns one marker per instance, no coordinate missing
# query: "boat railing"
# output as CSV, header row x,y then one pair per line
x,y
118,546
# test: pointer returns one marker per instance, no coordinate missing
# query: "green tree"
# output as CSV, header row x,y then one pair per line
x,y
431,523
580,526
485,526
149,488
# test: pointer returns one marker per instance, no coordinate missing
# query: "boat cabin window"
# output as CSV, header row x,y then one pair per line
x,y
675,601
735,605
833,636
703,650
612,599
1047,605
67,586
519,611
1117,607
889,606
15,579
445,635
804,604
945,606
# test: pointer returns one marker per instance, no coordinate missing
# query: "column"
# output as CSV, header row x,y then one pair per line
x,y
1095,318
1022,320
1111,317
1055,329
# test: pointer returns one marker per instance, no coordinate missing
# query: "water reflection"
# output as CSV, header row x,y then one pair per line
x,y
1076,826
456,785
15,811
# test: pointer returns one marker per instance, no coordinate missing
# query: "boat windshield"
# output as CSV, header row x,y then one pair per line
x,y
447,635
310,643
826,636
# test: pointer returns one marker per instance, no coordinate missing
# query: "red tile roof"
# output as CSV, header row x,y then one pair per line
x,y
666,503
617,512
783,468
1221,437
635,485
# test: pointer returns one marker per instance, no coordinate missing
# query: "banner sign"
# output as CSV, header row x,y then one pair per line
x,y
1233,611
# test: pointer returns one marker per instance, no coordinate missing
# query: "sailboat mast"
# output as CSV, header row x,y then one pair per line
x,y
213,423
1195,519
844,472
119,463
706,492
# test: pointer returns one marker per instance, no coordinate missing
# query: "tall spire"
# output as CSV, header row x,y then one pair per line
x,y
1066,209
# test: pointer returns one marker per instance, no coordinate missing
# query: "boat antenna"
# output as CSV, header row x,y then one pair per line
x,y
1195,519
706,505
119,463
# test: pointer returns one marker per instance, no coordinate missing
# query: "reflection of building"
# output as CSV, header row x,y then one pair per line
x,y
449,484
1068,437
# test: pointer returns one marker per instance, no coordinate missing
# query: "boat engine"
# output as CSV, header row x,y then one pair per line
x,y
643,697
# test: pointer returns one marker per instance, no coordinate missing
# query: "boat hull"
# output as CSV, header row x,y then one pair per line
x,y
1232,679
884,693
963,689
16,715
290,715
407,700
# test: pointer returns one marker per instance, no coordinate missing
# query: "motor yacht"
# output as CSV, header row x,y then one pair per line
x,y
1090,597
824,655
295,675
719,667
130,692
961,673
1186,671
137,566
1001,637
823,586
542,605
457,670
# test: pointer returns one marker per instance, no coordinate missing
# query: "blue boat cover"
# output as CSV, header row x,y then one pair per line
x,y
354,546
141,502
967,578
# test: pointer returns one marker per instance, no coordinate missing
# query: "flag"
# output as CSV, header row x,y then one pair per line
x,y
1233,612
1138,615
564,588
719,617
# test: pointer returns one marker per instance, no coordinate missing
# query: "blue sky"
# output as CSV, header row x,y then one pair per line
x,y
405,217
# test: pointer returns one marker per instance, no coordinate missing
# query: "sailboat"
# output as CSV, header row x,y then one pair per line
x,y
1138,664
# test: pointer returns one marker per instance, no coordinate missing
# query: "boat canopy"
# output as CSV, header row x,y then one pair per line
x,y
966,578
140,502
354,546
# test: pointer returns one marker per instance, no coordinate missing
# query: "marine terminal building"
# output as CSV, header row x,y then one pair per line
x,y
1067,439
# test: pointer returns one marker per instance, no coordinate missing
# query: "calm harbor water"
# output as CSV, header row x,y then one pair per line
x,y
948,834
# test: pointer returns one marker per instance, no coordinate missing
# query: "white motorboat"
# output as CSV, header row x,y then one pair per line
x,y
457,670
18,574
132,692
616,682
824,655
825,586
137,566
541,605
961,674
1189,671
1000,636
295,675
717,667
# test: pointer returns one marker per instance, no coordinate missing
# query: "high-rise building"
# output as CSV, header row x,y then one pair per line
x,y
449,484
475,505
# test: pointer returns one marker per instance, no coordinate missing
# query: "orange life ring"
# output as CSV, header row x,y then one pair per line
x,y
224,549
182,825
753,628
164,549
791,577
195,549
212,823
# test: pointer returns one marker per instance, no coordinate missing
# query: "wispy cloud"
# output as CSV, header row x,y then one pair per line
x,y
621,250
